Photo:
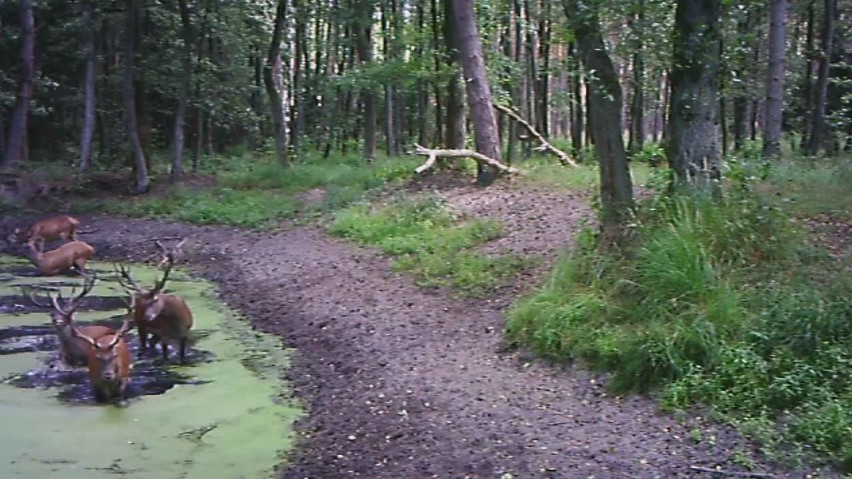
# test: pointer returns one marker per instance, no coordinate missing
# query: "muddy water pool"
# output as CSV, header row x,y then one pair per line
x,y
224,414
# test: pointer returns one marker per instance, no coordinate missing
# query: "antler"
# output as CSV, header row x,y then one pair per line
x,y
76,333
124,278
72,303
32,296
169,261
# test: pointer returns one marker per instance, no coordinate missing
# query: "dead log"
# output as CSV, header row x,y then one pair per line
x,y
544,144
434,154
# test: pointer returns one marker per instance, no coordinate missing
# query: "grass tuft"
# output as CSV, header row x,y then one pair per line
x,y
429,241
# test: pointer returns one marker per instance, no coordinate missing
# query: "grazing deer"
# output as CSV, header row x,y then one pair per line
x,y
166,316
70,255
59,227
72,350
109,363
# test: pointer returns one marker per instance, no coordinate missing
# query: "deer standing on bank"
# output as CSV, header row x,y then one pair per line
x,y
59,227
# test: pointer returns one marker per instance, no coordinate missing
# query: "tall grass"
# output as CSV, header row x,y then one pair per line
x,y
723,303
427,239
254,191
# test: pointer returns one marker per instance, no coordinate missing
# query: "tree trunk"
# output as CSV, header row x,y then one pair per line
x,y
693,147
775,78
819,126
578,120
542,81
741,100
637,105
605,103
807,78
183,99
139,163
15,143
455,117
89,88
368,97
478,90
272,89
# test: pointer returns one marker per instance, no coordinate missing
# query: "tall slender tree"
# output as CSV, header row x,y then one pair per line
x,y
17,138
775,78
605,105
478,90
140,165
88,87
273,58
183,94
819,127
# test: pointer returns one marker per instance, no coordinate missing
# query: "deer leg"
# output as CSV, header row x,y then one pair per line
x,y
143,336
100,396
183,342
165,345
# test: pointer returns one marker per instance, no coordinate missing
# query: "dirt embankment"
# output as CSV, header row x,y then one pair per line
x,y
405,382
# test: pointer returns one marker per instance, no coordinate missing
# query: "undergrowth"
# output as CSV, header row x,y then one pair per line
x,y
256,192
426,239
717,302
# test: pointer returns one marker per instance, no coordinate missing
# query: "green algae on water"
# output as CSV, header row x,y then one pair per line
x,y
232,422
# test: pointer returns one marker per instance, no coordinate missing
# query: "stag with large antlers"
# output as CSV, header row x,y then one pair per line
x,y
109,363
70,255
166,317
72,350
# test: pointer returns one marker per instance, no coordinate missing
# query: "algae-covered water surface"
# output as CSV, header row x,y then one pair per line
x,y
224,414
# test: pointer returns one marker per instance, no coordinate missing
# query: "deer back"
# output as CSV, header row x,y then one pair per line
x,y
62,258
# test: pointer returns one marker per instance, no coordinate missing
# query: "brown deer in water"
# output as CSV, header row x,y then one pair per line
x,y
70,255
109,363
166,316
72,350
59,227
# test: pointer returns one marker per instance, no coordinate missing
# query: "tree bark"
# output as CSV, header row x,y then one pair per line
x,y
605,103
18,127
183,99
775,78
454,131
478,90
139,163
364,37
272,89
693,146
637,105
819,126
89,88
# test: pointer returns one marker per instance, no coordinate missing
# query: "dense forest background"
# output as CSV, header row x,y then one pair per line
x,y
717,136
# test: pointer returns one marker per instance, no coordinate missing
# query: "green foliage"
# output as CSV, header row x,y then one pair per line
x,y
256,192
428,240
223,206
716,302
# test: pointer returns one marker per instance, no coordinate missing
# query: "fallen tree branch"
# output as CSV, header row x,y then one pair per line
x,y
545,145
434,154
730,473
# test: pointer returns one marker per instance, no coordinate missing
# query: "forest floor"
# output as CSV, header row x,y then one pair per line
x,y
401,381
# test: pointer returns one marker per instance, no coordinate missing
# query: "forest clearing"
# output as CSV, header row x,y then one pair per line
x,y
399,238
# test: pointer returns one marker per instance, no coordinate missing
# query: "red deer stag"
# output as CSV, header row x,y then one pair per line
x,y
166,316
72,350
57,261
109,363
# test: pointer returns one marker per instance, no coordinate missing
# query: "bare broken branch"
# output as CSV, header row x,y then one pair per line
x,y
723,472
545,145
434,154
